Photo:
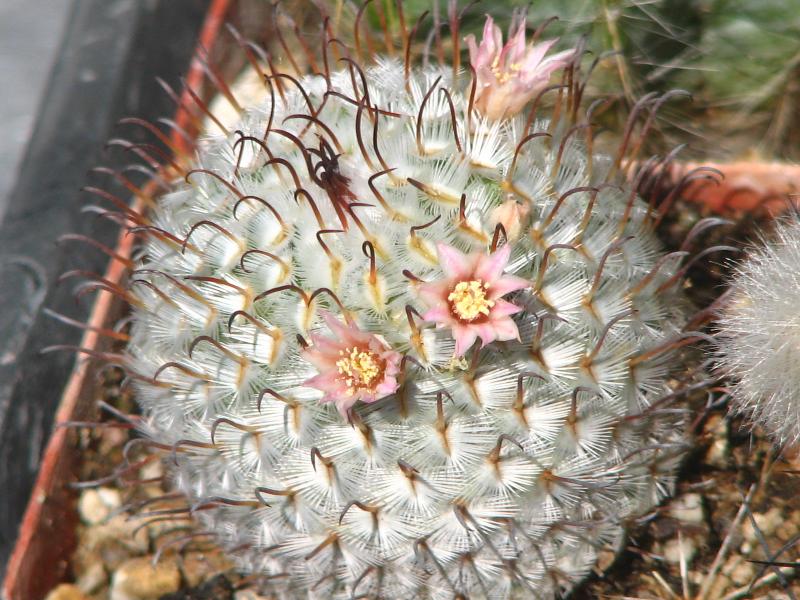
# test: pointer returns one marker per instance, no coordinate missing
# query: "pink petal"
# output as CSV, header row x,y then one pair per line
x,y
542,72
535,55
514,50
327,382
505,329
562,58
320,360
502,308
505,285
492,38
487,333
511,214
345,334
393,361
439,314
474,53
455,264
464,336
324,345
481,56
388,386
338,328
435,292
500,101
486,79
489,268
367,397
344,404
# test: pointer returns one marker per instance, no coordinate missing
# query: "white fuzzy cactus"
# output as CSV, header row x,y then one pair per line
x,y
405,350
759,334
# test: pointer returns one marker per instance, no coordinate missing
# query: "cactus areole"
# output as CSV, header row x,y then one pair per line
x,y
405,338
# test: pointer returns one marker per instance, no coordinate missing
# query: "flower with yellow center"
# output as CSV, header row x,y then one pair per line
x,y
353,365
510,75
469,298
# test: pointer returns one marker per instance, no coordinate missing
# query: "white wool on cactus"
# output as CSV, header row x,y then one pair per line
x,y
759,334
403,350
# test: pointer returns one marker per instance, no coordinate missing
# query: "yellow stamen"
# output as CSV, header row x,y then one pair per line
x,y
509,72
359,369
468,300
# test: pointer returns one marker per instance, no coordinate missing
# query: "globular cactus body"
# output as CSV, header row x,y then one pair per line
x,y
337,424
759,334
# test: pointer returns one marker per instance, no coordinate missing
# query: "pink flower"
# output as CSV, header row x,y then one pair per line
x,y
468,299
511,215
509,76
353,365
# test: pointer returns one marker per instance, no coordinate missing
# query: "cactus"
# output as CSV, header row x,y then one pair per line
x,y
402,348
759,334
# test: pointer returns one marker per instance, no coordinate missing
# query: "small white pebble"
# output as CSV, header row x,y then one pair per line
x,y
767,522
95,505
687,509
672,550
138,579
247,595
66,591
742,574
93,578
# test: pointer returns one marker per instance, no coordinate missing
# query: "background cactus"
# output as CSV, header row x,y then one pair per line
x,y
311,225
759,334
